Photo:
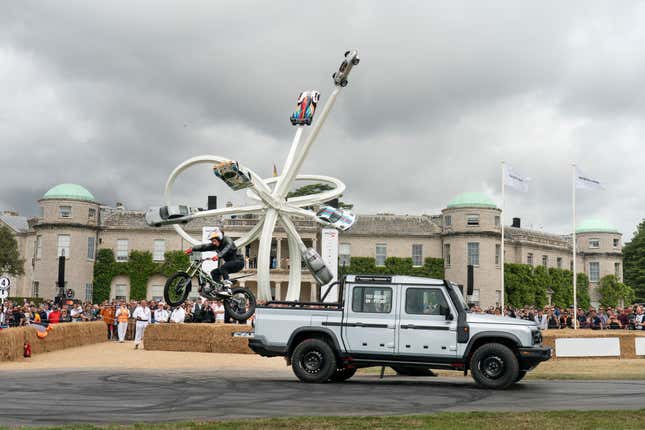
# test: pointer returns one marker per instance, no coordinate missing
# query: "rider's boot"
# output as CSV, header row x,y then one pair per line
x,y
225,289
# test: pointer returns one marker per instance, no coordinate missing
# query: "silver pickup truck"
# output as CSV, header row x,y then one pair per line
x,y
410,324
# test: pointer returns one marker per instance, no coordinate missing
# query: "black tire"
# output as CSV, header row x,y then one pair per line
x,y
355,61
343,83
313,360
177,288
413,371
520,375
343,374
494,366
241,305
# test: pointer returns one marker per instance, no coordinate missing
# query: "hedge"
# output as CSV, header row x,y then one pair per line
x,y
432,267
139,268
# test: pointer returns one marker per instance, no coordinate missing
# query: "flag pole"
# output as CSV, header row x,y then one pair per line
x,y
573,236
501,257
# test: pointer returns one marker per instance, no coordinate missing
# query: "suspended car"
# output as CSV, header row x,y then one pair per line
x,y
307,102
232,175
337,218
162,215
351,59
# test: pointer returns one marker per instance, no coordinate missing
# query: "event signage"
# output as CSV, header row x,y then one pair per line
x,y
4,294
69,293
4,283
329,254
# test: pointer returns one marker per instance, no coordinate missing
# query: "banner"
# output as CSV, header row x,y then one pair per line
x,y
329,254
584,182
515,181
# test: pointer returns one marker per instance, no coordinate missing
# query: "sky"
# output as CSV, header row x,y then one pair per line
x,y
113,95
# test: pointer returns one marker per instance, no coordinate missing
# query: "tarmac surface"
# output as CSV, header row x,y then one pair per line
x,y
66,396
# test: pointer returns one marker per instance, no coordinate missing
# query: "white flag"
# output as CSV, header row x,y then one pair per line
x,y
514,180
586,183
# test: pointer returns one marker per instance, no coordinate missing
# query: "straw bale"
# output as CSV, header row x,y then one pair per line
x,y
197,338
61,336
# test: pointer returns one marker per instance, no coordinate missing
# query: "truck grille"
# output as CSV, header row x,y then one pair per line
x,y
537,337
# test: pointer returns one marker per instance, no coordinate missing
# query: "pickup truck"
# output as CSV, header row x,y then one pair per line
x,y
409,323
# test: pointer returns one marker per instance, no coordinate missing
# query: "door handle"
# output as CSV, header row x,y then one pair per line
x,y
358,324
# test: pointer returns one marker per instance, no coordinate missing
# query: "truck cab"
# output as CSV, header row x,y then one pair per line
x,y
411,324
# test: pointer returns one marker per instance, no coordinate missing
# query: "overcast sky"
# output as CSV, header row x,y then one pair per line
x,y
113,95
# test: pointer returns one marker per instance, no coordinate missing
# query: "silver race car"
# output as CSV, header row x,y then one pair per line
x,y
337,218
162,215
231,173
351,59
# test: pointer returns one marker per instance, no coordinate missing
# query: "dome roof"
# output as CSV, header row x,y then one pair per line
x,y
69,192
472,200
595,225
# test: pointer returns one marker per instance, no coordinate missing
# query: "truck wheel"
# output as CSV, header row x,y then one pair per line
x,y
313,360
494,366
521,374
343,374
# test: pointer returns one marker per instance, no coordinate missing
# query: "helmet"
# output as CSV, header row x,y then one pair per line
x,y
216,234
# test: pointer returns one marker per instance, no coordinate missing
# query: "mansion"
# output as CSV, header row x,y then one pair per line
x,y
467,231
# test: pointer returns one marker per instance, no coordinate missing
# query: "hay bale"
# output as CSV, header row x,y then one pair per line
x,y
61,336
197,338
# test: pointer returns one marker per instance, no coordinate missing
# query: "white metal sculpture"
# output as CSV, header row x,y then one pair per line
x,y
271,195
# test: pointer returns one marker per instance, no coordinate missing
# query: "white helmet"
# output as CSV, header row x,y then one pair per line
x,y
216,234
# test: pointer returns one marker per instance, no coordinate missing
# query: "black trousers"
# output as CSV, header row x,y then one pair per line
x,y
223,271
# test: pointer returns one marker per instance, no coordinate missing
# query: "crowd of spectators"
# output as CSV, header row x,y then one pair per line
x,y
14,314
555,317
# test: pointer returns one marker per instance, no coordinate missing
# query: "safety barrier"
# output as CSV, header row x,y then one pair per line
x,y
595,343
60,336
197,338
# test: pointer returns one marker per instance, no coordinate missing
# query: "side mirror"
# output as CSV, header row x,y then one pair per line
x,y
445,311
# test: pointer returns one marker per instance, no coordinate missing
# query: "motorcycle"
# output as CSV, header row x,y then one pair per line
x,y
240,304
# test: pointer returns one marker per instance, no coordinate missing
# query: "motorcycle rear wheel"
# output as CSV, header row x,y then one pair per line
x,y
241,305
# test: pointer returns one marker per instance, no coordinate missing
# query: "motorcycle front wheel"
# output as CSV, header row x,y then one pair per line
x,y
241,305
177,288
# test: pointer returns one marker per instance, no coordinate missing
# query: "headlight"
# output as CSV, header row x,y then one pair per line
x,y
537,337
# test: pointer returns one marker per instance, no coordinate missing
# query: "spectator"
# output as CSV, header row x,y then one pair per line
x,y
161,315
178,315
219,310
122,316
206,314
541,320
54,316
107,314
553,321
142,315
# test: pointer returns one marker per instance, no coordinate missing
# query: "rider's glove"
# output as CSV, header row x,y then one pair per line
x,y
215,258
188,251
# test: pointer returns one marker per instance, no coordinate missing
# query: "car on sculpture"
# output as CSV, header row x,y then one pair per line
x,y
162,215
307,102
337,218
351,59
231,173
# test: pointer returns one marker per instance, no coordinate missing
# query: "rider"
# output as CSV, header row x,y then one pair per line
x,y
226,250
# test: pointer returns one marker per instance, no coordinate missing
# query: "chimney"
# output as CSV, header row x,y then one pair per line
x,y
229,204
516,223
10,213
119,206
212,202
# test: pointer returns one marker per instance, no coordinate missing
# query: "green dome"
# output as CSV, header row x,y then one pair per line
x,y
594,225
70,192
472,200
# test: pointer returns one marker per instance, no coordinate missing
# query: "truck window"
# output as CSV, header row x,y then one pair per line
x,y
372,300
425,301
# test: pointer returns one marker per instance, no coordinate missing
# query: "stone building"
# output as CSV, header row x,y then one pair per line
x,y
468,231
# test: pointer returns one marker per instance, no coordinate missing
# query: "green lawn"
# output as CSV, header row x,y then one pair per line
x,y
570,420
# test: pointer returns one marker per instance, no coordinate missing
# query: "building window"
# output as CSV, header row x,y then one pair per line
x,y
344,254
39,247
64,242
90,247
91,214
89,292
545,261
447,221
529,259
156,293
616,242
381,254
594,243
65,211
558,262
497,221
417,254
122,250
120,292
617,270
446,254
35,289
594,271
473,253
159,250
472,219
498,253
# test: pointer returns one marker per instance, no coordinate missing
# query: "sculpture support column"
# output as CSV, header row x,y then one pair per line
x,y
278,253
264,255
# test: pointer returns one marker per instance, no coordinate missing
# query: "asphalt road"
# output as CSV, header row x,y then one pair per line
x,y
63,397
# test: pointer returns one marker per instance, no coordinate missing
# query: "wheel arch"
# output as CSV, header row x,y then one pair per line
x,y
506,339
312,332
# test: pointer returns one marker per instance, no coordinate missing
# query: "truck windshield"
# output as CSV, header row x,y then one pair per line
x,y
462,301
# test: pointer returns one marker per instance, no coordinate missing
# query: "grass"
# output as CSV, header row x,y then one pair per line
x,y
571,420
587,369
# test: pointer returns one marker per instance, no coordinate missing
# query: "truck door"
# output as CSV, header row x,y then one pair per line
x,y
369,325
423,327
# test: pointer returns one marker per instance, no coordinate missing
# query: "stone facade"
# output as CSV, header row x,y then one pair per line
x,y
463,233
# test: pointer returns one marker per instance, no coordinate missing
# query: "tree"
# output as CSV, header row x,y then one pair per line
x,y
316,188
612,292
634,263
10,261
